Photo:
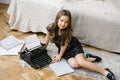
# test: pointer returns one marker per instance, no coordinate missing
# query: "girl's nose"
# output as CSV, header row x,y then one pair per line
x,y
63,23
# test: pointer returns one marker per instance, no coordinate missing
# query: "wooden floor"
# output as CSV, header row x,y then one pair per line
x,y
10,68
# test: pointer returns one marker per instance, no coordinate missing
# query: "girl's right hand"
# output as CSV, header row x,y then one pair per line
x,y
56,58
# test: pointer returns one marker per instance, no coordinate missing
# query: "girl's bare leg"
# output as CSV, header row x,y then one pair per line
x,y
80,59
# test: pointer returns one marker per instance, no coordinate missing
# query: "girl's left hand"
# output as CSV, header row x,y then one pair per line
x,y
56,58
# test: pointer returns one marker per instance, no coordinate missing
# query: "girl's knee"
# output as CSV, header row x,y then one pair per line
x,y
73,64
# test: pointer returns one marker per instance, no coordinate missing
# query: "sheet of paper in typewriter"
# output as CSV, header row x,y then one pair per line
x,y
32,41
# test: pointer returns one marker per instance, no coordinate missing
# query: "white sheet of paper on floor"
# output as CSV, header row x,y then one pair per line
x,y
13,51
10,42
61,68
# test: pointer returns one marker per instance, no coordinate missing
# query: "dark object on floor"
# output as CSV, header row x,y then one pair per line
x,y
37,58
110,75
97,58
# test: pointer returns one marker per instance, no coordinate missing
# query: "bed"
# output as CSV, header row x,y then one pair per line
x,y
95,22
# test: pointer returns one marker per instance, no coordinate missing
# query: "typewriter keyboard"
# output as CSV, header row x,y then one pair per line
x,y
42,60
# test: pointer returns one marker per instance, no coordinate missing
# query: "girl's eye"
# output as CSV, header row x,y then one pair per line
x,y
61,20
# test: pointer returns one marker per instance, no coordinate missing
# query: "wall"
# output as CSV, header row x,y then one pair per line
x,y
5,1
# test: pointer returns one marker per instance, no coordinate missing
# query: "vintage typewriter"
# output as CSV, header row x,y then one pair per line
x,y
34,53
36,57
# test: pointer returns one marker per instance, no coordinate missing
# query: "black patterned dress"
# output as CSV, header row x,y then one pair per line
x,y
74,47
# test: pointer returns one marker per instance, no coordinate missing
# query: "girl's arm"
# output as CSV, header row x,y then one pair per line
x,y
63,48
47,39
59,56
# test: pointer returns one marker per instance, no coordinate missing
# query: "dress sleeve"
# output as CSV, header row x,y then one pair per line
x,y
49,27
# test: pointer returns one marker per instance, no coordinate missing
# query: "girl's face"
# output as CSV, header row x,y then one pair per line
x,y
63,22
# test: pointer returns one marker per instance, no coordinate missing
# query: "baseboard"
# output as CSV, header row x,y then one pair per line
x,y
5,1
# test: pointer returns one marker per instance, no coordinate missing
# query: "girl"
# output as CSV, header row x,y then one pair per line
x,y
69,47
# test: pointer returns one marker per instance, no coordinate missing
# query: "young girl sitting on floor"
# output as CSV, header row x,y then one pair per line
x,y
69,47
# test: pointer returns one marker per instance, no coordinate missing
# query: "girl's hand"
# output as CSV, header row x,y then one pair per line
x,y
56,58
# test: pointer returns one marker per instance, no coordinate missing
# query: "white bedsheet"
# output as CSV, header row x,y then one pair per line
x,y
32,15
95,23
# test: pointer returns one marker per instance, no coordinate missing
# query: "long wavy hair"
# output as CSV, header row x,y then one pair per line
x,y
66,33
